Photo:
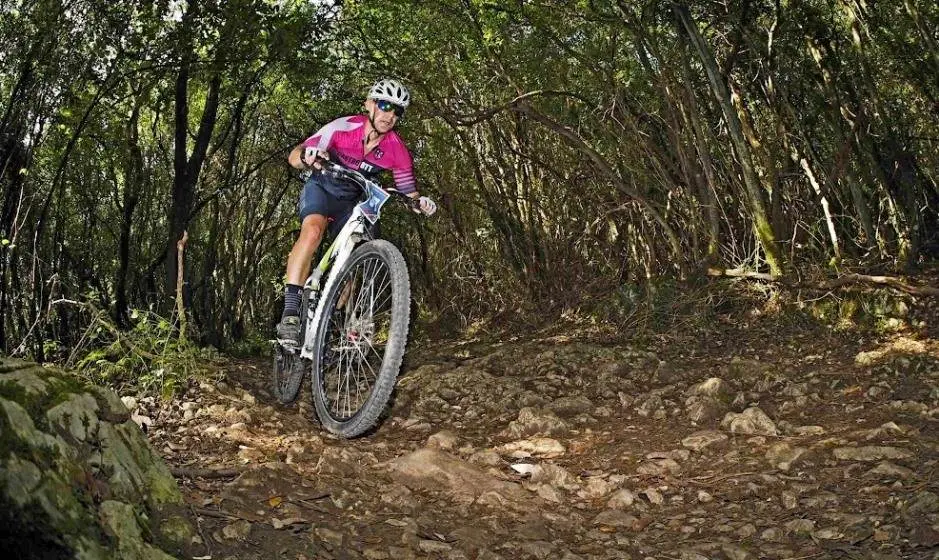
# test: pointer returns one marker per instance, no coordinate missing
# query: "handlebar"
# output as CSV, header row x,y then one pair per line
x,y
339,172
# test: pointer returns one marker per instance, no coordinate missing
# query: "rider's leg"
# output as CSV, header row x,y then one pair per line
x,y
313,207
311,233
298,268
316,203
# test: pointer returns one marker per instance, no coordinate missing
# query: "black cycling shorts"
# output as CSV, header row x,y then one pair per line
x,y
325,196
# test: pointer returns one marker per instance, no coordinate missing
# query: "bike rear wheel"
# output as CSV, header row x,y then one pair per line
x,y
289,367
360,339
287,374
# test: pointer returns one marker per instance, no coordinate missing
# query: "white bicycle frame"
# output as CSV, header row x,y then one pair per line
x,y
353,232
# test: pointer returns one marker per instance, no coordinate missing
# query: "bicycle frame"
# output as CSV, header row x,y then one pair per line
x,y
352,233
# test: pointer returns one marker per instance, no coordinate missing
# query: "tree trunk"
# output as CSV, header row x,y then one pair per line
x,y
823,200
708,192
212,326
186,166
187,169
761,223
134,179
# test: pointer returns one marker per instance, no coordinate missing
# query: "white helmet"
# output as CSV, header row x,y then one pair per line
x,y
390,90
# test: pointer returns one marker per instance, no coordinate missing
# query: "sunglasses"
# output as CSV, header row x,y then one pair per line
x,y
389,106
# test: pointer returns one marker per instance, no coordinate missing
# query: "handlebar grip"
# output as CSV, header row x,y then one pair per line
x,y
312,151
412,203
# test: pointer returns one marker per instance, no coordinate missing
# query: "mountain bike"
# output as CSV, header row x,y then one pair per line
x,y
354,316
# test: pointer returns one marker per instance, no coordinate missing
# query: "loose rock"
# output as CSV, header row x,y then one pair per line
x,y
870,453
751,421
699,441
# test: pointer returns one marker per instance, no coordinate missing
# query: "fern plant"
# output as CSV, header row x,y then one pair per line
x,y
151,357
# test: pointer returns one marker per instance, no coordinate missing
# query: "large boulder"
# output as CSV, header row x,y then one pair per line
x,y
78,478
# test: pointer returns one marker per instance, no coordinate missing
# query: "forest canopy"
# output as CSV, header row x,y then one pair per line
x,y
577,148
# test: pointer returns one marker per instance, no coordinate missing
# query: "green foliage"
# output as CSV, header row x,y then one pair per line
x,y
880,311
255,344
580,155
148,358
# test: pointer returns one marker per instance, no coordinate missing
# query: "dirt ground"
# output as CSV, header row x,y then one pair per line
x,y
759,437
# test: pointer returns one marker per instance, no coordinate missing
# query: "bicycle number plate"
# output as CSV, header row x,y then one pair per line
x,y
371,207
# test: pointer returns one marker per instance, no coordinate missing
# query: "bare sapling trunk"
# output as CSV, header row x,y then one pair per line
x,y
180,308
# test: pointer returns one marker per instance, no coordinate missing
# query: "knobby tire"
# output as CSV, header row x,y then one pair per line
x,y
289,367
360,339
287,375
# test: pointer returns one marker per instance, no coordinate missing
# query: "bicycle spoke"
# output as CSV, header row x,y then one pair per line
x,y
366,276
364,359
357,333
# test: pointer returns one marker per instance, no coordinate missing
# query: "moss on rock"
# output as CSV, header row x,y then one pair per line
x,y
111,408
132,466
177,529
76,416
70,474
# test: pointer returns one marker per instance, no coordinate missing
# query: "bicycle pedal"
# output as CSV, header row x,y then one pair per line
x,y
286,344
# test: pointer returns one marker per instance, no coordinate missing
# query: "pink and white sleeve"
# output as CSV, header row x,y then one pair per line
x,y
323,138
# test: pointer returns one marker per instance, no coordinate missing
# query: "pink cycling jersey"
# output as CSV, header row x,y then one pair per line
x,y
342,139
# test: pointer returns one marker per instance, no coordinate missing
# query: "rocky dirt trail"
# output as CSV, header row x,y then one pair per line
x,y
751,443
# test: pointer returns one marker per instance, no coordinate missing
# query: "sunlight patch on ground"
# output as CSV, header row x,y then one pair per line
x,y
898,345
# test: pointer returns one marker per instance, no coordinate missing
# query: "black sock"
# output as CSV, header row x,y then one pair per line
x,y
292,296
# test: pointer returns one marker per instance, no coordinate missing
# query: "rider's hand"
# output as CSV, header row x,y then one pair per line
x,y
428,206
310,157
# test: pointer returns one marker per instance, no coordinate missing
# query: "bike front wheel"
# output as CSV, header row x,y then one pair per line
x,y
360,339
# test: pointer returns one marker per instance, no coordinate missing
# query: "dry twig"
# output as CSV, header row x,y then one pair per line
x,y
179,472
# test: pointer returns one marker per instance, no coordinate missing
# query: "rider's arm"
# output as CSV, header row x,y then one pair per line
x,y
402,168
403,172
302,157
322,141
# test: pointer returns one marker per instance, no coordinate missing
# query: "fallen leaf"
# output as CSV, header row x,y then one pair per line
x,y
852,390
275,501
579,447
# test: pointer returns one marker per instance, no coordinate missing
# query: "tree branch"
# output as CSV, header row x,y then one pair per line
x,y
485,114
894,282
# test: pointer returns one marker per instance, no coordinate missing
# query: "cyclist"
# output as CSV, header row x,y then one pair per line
x,y
367,143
